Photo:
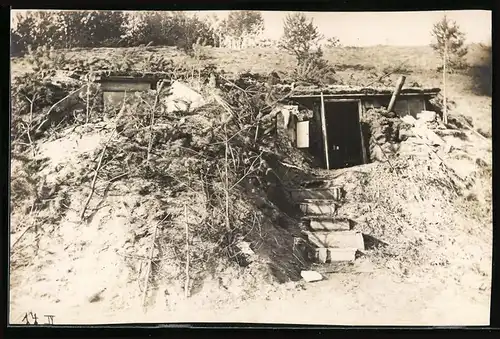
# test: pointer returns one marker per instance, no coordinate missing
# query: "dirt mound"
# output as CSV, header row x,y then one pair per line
x,y
417,211
172,196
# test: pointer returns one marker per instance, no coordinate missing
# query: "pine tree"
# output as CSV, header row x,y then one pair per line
x,y
300,37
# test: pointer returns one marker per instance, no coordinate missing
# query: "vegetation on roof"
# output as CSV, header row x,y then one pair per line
x,y
303,90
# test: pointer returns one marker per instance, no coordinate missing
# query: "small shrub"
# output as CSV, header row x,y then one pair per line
x,y
301,38
314,71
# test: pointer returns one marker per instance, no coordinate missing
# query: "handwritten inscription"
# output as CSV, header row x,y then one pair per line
x,y
33,317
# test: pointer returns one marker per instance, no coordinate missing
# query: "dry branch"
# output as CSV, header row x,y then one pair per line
x,y
153,108
151,252
25,230
94,180
87,115
67,96
249,171
228,226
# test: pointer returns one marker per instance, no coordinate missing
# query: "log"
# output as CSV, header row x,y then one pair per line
x,y
396,92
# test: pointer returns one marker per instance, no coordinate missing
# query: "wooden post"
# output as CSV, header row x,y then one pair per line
x,y
363,149
325,134
399,85
186,285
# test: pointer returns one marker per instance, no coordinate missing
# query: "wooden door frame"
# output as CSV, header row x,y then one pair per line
x,y
325,131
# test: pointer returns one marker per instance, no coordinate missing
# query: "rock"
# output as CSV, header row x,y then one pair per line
x,y
183,98
405,134
376,154
428,135
212,82
64,78
96,296
388,114
322,255
426,116
311,276
409,120
246,254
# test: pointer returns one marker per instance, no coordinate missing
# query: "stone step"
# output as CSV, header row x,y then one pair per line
x,y
333,193
328,255
318,207
339,239
324,223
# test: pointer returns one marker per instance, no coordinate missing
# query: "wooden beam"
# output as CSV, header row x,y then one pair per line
x,y
325,134
341,100
360,96
397,90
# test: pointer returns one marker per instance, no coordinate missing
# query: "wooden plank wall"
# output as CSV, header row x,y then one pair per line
x,y
402,107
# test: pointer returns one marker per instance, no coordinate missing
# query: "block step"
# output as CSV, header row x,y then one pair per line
x,y
318,183
318,207
328,255
333,193
325,223
338,239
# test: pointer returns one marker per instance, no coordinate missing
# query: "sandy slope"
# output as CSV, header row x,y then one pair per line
x,y
82,276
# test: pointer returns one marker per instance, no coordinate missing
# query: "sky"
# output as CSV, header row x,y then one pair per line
x,y
381,28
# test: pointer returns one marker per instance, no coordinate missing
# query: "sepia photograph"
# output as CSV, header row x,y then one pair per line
x,y
246,166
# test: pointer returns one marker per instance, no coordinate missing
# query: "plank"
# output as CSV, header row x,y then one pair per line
x,y
303,134
124,86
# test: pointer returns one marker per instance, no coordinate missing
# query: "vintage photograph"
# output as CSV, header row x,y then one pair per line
x,y
273,167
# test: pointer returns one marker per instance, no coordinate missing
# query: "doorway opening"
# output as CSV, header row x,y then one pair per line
x,y
344,135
